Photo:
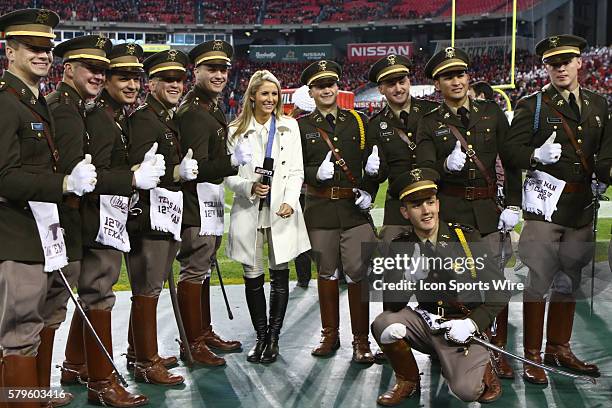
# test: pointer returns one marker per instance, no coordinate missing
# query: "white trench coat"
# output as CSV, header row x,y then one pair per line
x,y
289,235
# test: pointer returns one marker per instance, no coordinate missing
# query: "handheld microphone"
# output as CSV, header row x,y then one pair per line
x,y
267,172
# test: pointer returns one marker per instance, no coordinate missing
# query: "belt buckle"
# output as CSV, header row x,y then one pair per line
x,y
334,193
341,162
470,193
470,153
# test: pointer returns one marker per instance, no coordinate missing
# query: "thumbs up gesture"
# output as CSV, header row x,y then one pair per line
x,y
326,169
373,162
188,169
83,177
456,160
549,152
148,174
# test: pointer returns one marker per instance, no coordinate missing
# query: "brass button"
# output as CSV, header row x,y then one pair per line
x,y
488,130
39,134
579,140
444,138
336,150
414,156
171,143
579,128
470,146
388,139
468,133
409,133
312,141
440,303
335,139
554,127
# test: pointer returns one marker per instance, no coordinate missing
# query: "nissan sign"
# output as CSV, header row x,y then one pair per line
x,y
373,51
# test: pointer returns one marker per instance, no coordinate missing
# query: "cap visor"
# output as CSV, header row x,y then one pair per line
x,y
42,43
559,59
420,195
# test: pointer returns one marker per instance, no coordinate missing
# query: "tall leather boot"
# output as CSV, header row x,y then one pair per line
x,y
20,372
130,355
279,297
492,386
407,379
502,366
360,321
256,301
103,387
303,269
558,333
188,295
210,338
329,306
74,369
533,327
43,366
148,367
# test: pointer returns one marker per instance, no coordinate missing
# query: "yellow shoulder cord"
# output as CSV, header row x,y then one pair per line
x,y
361,129
467,250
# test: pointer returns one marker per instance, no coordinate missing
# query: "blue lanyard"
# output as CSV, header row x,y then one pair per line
x,y
271,136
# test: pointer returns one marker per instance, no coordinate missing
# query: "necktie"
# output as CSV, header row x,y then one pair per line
x,y
574,105
463,114
330,118
404,118
428,249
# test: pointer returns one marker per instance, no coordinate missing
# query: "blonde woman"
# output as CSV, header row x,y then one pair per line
x,y
266,207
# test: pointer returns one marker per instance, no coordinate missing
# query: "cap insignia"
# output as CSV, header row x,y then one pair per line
x,y
450,52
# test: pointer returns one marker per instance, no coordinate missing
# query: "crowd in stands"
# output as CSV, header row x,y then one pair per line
x,y
596,74
258,11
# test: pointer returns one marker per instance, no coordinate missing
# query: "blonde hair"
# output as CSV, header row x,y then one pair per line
x,y
248,111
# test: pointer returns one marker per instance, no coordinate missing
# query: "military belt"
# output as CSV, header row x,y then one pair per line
x,y
470,193
332,193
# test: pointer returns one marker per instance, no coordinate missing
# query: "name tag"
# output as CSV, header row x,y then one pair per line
x,y
315,135
168,135
556,121
37,126
386,133
441,132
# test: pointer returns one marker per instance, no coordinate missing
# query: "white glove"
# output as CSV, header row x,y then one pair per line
x,y
549,152
243,153
508,219
326,169
459,330
83,178
150,170
373,162
456,160
363,200
188,169
598,188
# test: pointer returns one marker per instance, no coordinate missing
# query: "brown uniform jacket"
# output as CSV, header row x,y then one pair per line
x,y
203,129
448,265
574,209
396,156
26,169
151,123
68,110
323,212
486,134
107,129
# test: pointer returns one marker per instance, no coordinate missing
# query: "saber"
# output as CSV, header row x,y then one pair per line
x,y
179,320
596,198
503,234
90,327
227,305
533,363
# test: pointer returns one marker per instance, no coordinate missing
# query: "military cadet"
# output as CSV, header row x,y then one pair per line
x,y
461,139
103,243
28,175
203,128
394,127
462,314
554,135
155,228
339,193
